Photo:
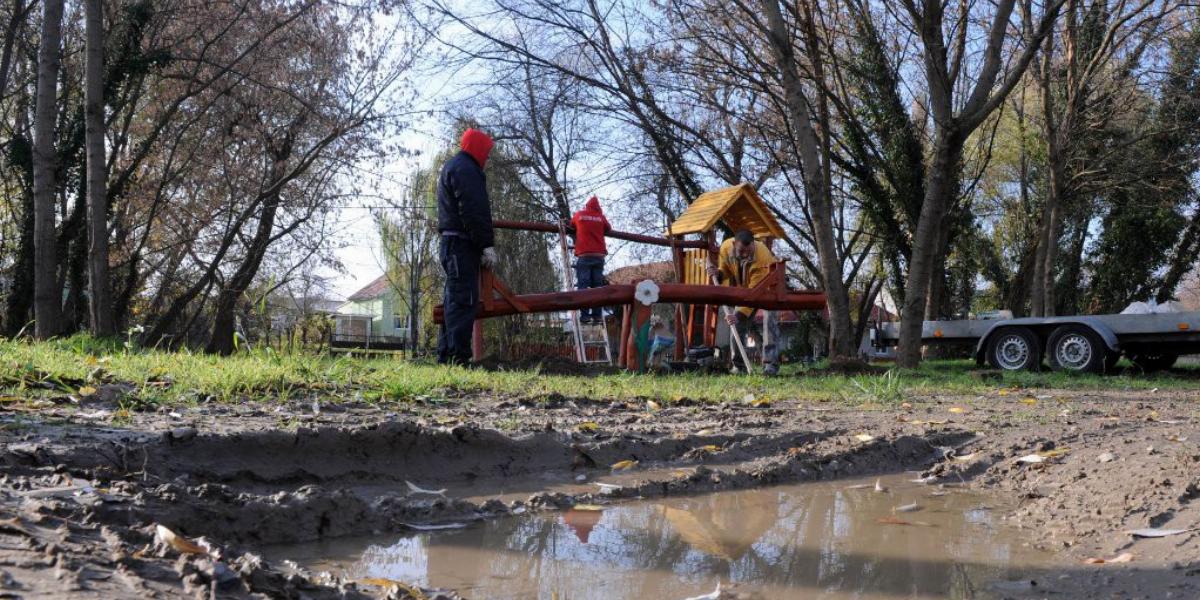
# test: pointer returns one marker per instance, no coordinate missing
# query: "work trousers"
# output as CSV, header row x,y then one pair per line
x,y
460,299
589,273
767,340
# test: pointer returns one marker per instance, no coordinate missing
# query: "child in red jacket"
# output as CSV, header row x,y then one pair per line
x,y
590,252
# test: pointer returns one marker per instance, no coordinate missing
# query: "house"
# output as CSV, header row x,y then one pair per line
x,y
372,317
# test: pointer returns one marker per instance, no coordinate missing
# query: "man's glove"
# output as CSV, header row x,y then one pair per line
x,y
488,260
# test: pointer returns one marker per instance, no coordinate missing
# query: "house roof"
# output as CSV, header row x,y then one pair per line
x,y
739,207
372,290
660,272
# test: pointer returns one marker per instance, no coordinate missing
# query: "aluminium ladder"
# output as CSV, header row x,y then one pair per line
x,y
583,336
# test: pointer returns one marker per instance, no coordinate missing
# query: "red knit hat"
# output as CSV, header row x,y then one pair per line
x,y
478,144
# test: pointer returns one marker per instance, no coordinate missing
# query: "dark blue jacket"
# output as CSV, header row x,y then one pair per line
x,y
462,199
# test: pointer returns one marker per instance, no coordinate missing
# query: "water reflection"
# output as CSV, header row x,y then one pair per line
x,y
811,541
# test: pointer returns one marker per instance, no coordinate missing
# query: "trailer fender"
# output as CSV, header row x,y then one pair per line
x,y
1049,324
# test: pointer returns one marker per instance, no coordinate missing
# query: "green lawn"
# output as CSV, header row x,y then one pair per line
x,y
65,366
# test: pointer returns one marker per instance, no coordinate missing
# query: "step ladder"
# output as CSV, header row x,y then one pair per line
x,y
583,336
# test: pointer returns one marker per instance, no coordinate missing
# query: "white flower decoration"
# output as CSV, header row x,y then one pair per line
x,y
646,292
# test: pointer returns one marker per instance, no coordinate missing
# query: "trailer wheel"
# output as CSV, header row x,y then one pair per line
x,y
1015,349
1077,348
1154,362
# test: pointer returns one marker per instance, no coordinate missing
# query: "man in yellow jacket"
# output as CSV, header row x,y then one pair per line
x,y
744,262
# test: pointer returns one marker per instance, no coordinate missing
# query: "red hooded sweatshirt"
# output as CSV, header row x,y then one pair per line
x,y
478,144
590,227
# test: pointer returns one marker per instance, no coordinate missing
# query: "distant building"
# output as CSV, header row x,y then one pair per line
x,y
372,317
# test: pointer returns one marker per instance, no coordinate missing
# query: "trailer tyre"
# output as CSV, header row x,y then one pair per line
x,y
1154,362
1015,349
1077,348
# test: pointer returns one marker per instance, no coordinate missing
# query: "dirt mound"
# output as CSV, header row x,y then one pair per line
x,y
545,365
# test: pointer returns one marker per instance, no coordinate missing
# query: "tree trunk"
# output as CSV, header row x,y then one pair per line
x,y
942,183
841,342
100,309
221,340
47,294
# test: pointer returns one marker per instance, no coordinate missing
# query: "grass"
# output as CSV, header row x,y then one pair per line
x,y
159,377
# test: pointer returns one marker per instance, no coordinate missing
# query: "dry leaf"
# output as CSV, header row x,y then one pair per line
x,y
394,585
607,489
1029,400
908,507
1031,459
705,431
1124,558
1002,393
879,487
588,507
86,391
865,437
906,405
420,490
710,448
794,452
179,543
1157,533
967,457
624,465
1053,453
588,426
958,410
652,406
1176,438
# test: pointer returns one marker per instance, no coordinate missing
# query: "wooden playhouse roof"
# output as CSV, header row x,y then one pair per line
x,y
739,207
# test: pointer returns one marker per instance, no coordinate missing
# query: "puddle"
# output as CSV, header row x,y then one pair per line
x,y
814,540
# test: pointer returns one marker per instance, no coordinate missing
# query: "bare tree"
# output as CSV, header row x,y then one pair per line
x,y
954,119
100,301
47,299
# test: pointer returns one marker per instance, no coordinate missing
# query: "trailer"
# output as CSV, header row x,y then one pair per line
x,y
1091,344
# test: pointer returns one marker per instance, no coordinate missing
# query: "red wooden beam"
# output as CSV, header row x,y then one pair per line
x,y
612,295
620,235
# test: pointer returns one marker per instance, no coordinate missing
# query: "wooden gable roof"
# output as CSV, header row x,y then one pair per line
x,y
739,207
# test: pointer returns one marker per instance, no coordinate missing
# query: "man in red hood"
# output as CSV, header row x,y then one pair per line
x,y
465,222
590,252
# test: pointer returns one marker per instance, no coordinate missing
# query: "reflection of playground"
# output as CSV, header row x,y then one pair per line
x,y
801,541
723,525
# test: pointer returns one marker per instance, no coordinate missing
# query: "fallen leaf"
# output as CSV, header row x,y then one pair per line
x,y
607,489
588,507
442,420
179,543
908,507
705,431
761,402
966,457
879,487
958,410
624,465
1106,457
710,448
1031,459
1002,393
409,591
652,406
434,526
588,426
794,452
1053,453
1176,438
865,437
86,391
906,405
1157,533
1029,400
858,486
420,490
1124,558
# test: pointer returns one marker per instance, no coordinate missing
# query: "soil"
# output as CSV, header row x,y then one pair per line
x,y
83,488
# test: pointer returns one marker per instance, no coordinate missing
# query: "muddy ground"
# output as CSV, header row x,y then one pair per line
x,y
84,485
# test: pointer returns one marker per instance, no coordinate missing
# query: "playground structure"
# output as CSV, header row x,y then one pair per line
x,y
696,299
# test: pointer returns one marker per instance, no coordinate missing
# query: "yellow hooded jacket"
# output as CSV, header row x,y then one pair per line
x,y
738,273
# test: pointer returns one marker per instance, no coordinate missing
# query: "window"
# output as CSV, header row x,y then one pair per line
x,y
399,322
